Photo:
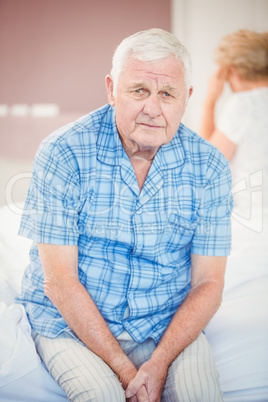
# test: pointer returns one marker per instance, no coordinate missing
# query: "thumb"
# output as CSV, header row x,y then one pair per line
x,y
133,387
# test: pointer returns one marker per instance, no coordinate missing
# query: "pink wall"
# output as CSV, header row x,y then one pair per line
x,y
59,51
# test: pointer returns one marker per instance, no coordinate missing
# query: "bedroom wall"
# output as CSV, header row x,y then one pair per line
x,y
54,57
59,51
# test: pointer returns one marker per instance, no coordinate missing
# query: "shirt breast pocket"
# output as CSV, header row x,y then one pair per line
x,y
182,225
175,242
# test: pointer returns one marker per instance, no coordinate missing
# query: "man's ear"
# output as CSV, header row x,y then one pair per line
x,y
110,89
191,90
188,97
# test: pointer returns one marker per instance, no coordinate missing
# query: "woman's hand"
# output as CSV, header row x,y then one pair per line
x,y
215,88
216,84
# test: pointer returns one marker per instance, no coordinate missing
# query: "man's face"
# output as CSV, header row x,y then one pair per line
x,y
149,103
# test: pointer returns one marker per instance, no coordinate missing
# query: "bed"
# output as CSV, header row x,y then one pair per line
x,y
238,333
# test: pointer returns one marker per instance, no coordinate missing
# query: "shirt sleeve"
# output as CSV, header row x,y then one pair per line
x,y
212,235
53,201
233,119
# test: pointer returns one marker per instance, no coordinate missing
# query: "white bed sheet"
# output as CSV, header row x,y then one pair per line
x,y
238,332
22,375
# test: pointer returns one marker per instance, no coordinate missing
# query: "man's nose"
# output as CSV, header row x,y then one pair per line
x,y
152,106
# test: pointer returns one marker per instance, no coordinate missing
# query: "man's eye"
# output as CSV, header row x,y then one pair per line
x,y
139,90
166,94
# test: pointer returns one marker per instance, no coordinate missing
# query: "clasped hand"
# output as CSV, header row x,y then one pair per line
x,y
148,384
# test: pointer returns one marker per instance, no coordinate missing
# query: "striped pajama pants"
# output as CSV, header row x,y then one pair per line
x,y
85,377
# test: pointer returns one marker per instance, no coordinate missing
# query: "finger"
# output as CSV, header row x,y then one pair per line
x,y
142,394
222,73
134,386
133,399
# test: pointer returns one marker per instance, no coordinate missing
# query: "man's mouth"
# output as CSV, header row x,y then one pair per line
x,y
150,125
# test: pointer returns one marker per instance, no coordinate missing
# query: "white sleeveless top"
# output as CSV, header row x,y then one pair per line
x,y
244,120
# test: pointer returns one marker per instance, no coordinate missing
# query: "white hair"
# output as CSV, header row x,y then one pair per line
x,y
151,45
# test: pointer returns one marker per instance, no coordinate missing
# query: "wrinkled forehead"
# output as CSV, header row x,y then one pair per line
x,y
169,71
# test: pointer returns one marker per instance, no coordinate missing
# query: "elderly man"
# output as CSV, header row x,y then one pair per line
x,y
129,212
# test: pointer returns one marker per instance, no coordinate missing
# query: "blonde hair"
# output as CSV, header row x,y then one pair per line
x,y
247,51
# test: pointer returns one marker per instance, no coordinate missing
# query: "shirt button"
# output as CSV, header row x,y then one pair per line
x,y
130,296
138,246
139,211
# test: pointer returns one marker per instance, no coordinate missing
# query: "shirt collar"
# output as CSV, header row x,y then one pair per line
x,y
109,147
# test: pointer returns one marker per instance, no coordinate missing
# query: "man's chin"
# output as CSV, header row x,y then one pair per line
x,y
150,138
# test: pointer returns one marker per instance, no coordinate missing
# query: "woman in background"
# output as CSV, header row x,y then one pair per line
x,y
242,58
241,128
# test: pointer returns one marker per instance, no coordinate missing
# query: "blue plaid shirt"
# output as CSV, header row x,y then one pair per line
x,y
134,246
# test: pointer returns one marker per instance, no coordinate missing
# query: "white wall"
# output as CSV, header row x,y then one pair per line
x,y
200,24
